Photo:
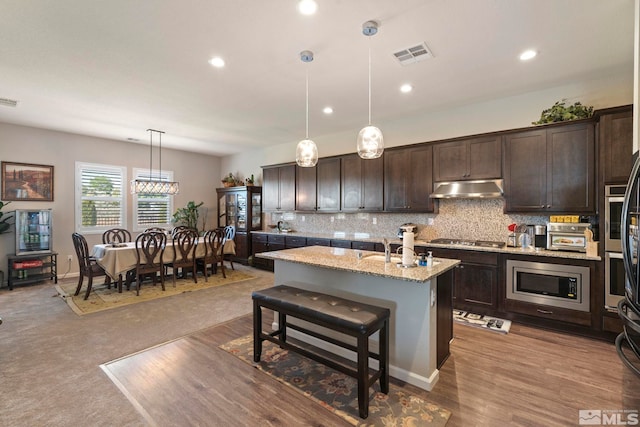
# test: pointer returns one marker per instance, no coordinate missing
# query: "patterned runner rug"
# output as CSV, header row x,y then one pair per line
x,y
481,321
103,298
338,392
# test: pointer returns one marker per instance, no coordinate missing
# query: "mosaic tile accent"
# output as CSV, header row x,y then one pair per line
x,y
474,219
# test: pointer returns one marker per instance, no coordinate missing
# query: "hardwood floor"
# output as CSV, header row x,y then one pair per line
x,y
529,377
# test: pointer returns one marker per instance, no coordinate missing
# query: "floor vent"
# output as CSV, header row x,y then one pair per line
x,y
413,54
8,102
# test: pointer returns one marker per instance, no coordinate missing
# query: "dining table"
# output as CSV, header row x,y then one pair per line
x,y
119,258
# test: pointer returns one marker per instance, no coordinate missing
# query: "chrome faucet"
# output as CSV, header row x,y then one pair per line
x,y
387,250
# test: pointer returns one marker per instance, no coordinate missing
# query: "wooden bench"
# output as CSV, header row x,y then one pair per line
x,y
338,314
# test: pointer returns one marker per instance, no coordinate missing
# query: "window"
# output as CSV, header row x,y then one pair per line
x,y
100,197
152,210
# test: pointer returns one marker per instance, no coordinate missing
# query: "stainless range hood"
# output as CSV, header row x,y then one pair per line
x,y
486,188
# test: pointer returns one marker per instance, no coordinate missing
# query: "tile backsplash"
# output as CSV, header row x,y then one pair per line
x,y
476,219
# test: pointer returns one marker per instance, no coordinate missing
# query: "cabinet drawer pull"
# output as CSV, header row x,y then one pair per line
x,y
544,311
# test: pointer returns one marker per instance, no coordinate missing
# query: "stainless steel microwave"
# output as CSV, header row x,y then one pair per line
x,y
558,285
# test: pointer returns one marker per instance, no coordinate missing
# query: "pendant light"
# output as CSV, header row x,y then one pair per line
x,y
307,151
154,186
370,142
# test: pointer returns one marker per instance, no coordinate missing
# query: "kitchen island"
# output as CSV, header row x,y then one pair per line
x,y
419,299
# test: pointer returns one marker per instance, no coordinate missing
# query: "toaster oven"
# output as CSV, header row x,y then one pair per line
x,y
562,236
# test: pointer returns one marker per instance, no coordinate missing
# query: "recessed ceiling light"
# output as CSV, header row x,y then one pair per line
x,y
217,62
528,54
307,7
327,110
133,139
406,88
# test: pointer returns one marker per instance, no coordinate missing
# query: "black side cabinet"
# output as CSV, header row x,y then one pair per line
x,y
24,269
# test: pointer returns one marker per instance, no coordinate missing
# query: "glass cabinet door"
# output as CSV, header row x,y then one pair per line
x,y
242,212
256,210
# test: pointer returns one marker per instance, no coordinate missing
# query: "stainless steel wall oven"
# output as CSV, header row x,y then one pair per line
x,y
614,279
614,196
558,285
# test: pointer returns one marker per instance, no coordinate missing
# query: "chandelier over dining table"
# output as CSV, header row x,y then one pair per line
x,y
158,186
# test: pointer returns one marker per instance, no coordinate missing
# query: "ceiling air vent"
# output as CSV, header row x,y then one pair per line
x,y
413,54
8,102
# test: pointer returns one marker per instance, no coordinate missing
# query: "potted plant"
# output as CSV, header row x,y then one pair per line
x,y
249,181
229,181
4,220
561,113
187,216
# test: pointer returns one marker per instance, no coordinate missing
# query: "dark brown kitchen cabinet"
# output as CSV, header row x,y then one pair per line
x,y
564,315
408,179
318,188
328,194
362,183
550,170
475,279
616,145
306,187
279,188
265,243
318,241
474,158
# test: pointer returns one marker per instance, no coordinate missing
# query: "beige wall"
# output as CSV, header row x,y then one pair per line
x,y
506,113
198,175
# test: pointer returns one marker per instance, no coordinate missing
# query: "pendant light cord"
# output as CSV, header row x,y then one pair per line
x,y
160,158
150,152
159,155
369,81
307,95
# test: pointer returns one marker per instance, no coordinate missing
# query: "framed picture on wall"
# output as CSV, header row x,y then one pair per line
x,y
27,182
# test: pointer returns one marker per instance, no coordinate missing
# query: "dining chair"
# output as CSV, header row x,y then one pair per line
x,y
87,265
229,250
149,252
184,254
116,235
213,253
120,235
178,229
156,229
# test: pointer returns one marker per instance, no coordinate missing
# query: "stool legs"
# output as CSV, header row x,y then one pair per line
x,y
363,375
384,357
257,331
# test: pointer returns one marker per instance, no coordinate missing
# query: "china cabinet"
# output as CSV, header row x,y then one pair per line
x,y
241,207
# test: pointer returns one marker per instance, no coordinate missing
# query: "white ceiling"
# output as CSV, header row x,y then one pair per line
x,y
114,68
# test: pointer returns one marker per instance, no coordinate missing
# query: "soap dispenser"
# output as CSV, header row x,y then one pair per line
x,y
430,259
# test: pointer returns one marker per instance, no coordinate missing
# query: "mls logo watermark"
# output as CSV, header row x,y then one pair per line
x,y
607,417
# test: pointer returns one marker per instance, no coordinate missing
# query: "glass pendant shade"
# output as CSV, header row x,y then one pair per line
x,y
370,142
306,153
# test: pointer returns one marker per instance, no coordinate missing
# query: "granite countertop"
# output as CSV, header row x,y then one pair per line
x,y
348,260
366,237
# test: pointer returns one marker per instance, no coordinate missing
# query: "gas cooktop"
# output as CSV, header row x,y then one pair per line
x,y
464,242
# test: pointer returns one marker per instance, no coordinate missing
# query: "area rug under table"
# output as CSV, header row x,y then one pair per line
x,y
104,298
336,391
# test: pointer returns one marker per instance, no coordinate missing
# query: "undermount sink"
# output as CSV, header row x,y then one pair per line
x,y
394,258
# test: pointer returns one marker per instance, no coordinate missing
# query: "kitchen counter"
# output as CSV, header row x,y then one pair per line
x,y
418,298
347,260
366,237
